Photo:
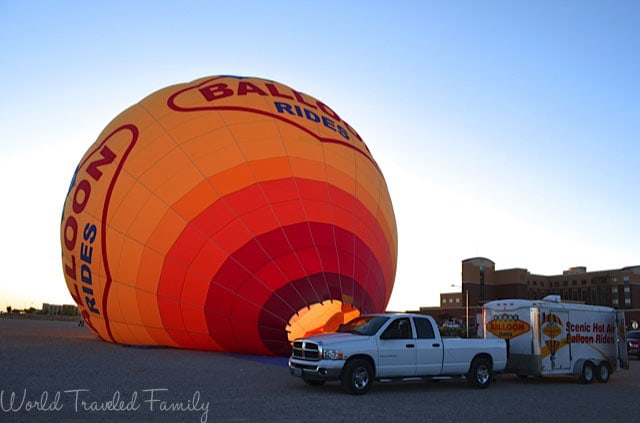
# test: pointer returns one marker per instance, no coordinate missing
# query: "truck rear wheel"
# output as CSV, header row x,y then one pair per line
x,y
480,373
604,372
588,373
357,376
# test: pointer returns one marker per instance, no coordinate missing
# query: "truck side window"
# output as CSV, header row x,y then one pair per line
x,y
399,329
424,328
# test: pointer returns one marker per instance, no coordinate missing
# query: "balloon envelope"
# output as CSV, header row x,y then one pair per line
x,y
228,214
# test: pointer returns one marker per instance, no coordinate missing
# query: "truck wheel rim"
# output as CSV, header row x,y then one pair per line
x,y
360,378
482,374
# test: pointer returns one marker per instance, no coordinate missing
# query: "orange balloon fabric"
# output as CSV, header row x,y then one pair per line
x,y
227,214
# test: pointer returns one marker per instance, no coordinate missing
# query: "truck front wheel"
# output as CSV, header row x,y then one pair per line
x,y
480,373
357,376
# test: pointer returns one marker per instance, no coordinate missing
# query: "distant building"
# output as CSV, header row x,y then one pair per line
x,y
51,309
59,310
616,288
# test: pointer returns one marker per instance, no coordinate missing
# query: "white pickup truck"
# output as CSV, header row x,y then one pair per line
x,y
394,346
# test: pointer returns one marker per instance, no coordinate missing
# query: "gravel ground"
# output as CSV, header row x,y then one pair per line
x,y
57,371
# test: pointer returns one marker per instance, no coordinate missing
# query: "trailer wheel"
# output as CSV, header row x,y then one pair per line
x,y
588,373
604,372
357,376
480,373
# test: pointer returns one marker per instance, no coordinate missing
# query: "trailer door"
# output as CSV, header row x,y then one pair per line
x,y
556,352
621,336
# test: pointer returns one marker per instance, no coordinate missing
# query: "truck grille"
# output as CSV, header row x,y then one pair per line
x,y
307,350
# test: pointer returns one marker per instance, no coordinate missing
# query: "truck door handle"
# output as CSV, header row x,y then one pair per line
x,y
410,345
435,345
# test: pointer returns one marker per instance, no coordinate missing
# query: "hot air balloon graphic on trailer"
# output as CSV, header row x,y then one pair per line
x,y
552,329
227,214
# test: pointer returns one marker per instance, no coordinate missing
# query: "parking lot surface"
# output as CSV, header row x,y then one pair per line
x,y
57,371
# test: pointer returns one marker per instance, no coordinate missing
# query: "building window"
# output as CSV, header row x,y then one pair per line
x,y
574,283
565,283
614,279
584,296
583,282
457,300
575,295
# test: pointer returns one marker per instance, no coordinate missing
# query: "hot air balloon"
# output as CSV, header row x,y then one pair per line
x,y
227,214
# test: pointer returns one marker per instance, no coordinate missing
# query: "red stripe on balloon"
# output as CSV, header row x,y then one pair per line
x,y
363,279
227,227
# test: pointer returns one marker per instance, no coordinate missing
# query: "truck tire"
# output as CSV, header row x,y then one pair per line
x,y
603,372
357,376
480,373
588,373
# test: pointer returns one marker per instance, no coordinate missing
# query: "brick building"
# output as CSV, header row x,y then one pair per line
x,y
616,288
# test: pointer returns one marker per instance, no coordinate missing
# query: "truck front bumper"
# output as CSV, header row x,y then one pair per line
x,y
316,370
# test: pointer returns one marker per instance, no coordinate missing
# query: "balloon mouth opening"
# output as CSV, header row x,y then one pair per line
x,y
319,318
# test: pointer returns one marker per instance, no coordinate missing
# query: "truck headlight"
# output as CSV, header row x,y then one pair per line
x,y
332,354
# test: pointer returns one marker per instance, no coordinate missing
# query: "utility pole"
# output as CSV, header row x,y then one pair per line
x,y
466,304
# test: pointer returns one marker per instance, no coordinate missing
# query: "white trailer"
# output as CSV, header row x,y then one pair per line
x,y
549,337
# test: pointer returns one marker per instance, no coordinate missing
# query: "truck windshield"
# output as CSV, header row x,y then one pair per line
x,y
364,325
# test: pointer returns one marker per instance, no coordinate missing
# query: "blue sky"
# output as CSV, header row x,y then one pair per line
x,y
504,129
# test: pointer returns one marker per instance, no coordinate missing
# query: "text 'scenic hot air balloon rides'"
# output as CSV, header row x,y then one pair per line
x,y
227,214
